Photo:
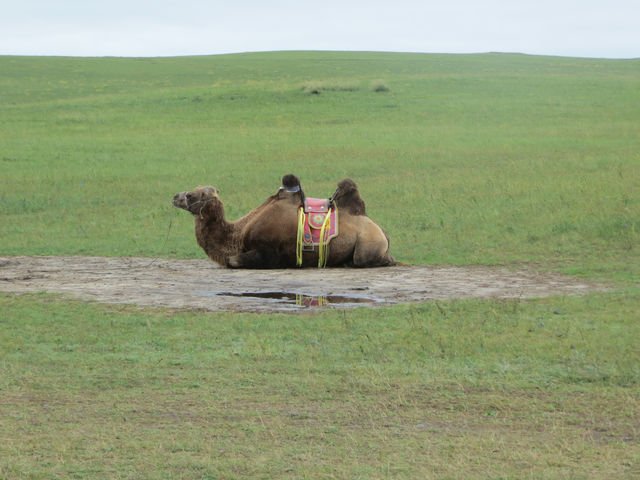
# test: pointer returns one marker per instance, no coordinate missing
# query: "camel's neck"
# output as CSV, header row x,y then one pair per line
x,y
219,238
215,234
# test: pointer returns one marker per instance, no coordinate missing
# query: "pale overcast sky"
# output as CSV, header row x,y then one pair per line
x,y
579,28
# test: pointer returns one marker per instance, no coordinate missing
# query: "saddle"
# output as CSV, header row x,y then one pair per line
x,y
317,225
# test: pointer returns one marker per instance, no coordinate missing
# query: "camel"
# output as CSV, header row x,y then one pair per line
x,y
266,236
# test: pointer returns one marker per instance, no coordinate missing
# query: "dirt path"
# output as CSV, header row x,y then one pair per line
x,y
200,284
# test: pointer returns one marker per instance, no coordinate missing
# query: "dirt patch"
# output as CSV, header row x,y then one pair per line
x,y
200,284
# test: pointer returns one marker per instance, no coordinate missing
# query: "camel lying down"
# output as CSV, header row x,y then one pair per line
x,y
266,236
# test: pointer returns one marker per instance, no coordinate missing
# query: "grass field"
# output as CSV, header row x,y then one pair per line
x,y
464,159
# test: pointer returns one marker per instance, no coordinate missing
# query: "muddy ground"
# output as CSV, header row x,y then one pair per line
x,y
201,284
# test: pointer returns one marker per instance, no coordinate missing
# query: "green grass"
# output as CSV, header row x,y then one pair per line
x,y
466,159
465,389
463,159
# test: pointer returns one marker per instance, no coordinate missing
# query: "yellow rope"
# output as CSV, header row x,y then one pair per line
x,y
323,247
300,238
323,244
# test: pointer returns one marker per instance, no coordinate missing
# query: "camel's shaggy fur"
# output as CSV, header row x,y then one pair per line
x,y
266,236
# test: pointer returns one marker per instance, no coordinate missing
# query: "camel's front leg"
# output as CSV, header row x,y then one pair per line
x,y
263,258
250,259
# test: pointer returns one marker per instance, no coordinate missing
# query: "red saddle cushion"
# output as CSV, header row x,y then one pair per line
x,y
316,205
315,213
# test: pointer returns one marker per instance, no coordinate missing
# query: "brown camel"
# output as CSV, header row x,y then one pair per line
x,y
266,236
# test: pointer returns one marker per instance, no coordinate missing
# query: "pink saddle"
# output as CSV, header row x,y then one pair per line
x,y
315,213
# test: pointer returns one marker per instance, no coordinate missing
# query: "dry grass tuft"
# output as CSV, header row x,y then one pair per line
x,y
379,86
315,88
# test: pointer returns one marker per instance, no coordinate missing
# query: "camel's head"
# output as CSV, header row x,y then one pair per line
x,y
196,200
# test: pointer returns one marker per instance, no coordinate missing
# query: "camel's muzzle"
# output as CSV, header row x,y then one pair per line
x,y
180,200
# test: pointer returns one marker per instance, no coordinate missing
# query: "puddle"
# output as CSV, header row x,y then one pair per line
x,y
297,299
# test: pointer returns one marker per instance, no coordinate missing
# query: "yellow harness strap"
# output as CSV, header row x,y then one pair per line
x,y
300,239
323,246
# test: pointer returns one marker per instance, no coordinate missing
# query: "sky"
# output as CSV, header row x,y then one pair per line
x,y
145,28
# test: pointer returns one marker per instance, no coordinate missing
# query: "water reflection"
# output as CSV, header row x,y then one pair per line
x,y
299,299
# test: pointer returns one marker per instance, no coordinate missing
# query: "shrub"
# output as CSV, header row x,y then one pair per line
x,y
315,88
379,86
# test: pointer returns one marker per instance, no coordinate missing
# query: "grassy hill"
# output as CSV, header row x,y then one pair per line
x,y
463,159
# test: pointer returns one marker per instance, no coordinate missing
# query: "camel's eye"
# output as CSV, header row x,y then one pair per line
x,y
189,196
